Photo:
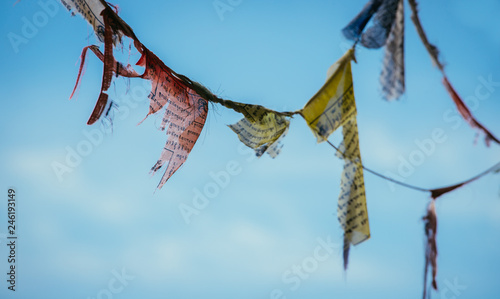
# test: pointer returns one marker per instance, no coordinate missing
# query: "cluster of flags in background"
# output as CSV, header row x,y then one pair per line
x,y
184,104
387,30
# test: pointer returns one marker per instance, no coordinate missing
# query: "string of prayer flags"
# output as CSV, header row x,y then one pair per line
x,y
119,27
331,107
387,30
430,220
392,77
184,104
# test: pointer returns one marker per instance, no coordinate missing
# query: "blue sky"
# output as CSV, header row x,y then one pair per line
x,y
77,234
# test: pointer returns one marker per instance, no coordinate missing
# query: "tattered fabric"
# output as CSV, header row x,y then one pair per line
x,y
431,251
392,77
184,116
331,107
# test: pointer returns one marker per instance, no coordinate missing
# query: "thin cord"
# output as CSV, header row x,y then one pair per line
x,y
381,175
449,188
202,91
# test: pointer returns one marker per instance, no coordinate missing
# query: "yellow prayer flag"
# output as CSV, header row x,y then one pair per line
x,y
352,212
334,103
331,107
261,129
